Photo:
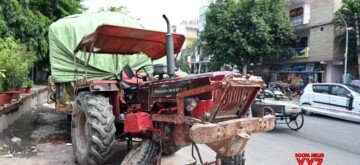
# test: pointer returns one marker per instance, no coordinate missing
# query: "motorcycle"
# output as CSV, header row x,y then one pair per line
x,y
276,92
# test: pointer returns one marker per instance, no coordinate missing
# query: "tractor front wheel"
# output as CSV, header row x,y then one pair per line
x,y
144,154
233,160
93,129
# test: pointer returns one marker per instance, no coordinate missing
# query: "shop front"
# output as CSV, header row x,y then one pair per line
x,y
297,74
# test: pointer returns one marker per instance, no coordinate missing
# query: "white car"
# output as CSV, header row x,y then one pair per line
x,y
331,99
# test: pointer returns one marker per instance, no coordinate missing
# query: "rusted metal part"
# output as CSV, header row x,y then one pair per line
x,y
200,90
85,84
63,107
103,87
167,110
233,97
168,118
208,133
181,135
250,101
175,119
218,97
229,147
115,101
88,82
181,96
229,138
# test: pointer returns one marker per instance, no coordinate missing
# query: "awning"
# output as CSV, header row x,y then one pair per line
x,y
112,39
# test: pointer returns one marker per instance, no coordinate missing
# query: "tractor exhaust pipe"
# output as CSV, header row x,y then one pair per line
x,y
169,50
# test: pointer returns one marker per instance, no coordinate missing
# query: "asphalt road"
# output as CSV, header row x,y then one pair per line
x,y
339,140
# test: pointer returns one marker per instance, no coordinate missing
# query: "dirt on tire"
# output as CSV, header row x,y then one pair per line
x,y
143,154
93,129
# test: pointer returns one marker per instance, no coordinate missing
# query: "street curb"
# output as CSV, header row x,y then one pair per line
x,y
16,109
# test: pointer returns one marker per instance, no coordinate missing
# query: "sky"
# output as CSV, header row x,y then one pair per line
x,y
149,12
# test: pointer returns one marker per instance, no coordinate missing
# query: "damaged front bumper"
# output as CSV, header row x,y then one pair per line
x,y
229,138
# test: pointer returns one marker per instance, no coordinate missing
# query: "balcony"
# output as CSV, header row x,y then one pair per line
x,y
299,12
296,21
302,52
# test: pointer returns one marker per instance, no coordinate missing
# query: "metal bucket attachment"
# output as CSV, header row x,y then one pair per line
x,y
233,100
229,138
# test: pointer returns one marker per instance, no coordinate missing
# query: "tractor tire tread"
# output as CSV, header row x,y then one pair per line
x,y
101,128
148,151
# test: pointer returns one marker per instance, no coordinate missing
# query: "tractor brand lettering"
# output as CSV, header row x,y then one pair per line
x,y
309,158
161,92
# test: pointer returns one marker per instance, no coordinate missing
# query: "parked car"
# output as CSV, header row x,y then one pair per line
x,y
355,82
331,99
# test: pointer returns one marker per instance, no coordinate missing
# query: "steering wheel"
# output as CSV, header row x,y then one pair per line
x,y
143,68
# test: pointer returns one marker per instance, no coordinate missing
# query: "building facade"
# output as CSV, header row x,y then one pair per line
x,y
189,29
318,55
197,63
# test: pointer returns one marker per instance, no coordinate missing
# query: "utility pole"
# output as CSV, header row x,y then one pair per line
x,y
199,54
357,42
346,47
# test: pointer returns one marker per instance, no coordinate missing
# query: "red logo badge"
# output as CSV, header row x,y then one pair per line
x,y
309,158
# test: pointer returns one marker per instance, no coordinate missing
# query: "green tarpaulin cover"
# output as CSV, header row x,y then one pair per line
x,y
66,33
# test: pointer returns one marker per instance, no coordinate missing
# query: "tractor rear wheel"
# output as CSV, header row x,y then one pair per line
x,y
144,154
93,129
233,160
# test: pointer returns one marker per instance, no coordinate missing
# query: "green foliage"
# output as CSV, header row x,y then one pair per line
x,y
15,62
27,82
2,73
241,32
25,25
185,67
348,10
28,20
56,9
122,9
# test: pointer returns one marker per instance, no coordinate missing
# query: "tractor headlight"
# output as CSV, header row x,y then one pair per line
x,y
190,104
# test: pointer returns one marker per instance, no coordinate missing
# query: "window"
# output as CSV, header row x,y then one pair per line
x,y
339,91
303,42
354,88
300,42
321,89
296,16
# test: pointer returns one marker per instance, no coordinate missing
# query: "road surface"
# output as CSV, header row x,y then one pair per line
x,y
339,140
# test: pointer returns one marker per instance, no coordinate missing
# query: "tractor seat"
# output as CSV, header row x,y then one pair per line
x,y
129,80
126,86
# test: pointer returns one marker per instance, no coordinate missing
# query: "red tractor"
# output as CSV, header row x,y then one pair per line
x,y
152,104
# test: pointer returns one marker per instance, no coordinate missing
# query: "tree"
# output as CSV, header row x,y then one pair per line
x,y
122,9
15,62
28,20
56,9
242,32
348,10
